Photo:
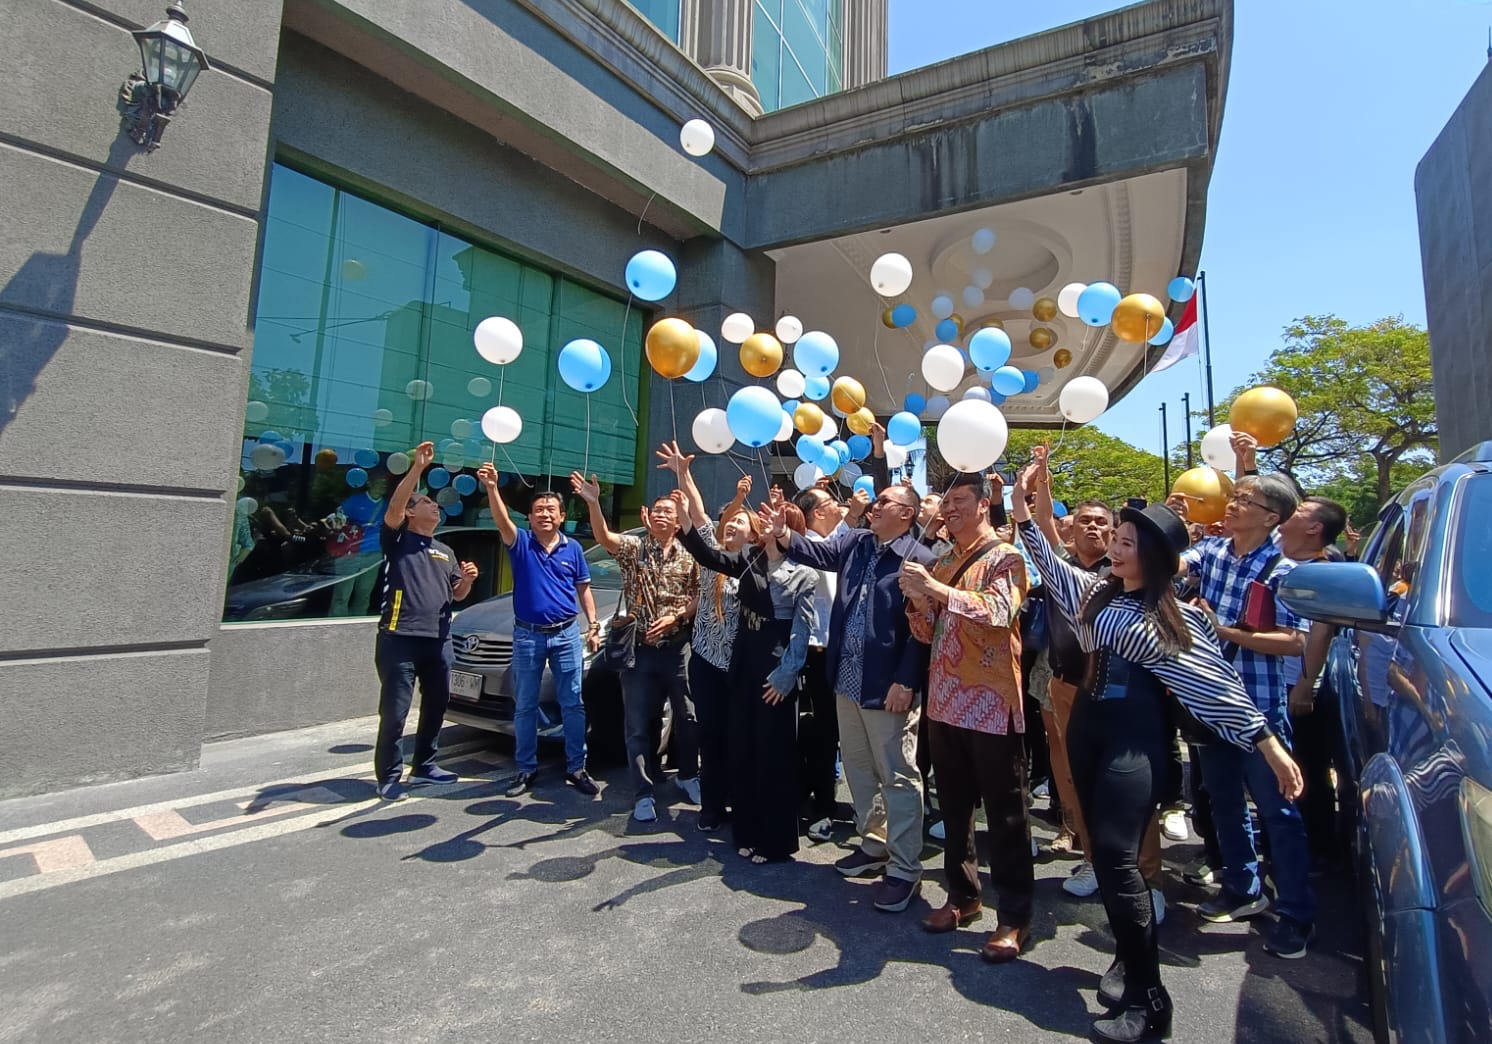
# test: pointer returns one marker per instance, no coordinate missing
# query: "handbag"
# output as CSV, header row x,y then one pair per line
x,y
619,651
1258,602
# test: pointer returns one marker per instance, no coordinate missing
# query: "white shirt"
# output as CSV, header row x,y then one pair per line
x,y
824,594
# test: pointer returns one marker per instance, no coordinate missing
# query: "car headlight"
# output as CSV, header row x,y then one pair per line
x,y
1476,828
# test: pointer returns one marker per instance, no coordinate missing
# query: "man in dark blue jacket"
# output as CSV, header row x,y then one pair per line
x,y
876,668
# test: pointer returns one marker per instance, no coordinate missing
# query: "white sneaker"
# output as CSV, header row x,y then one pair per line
x,y
645,811
1042,790
690,787
1035,848
938,832
1173,825
1157,897
1082,883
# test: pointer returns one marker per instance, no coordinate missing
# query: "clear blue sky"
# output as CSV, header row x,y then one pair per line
x,y
1331,104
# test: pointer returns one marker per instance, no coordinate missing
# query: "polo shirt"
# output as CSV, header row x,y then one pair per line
x,y
421,573
544,581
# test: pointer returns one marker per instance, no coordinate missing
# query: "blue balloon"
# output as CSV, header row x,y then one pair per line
x,y
860,447
996,398
866,483
841,450
946,330
829,462
1059,509
270,436
903,315
989,349
1096,304
903,428
811,449
816,388
288,448
1165,333
1007,380
705,364
584,365
753,415
365,458
357,478
438,478
791,406
454,508
1032,380
466,485
914,404
651,275
816,354
1181,289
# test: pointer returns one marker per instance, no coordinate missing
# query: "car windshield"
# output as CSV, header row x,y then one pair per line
x,y
605,573
1471,590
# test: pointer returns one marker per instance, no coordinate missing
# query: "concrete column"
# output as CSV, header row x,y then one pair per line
x,y
865,42
722,47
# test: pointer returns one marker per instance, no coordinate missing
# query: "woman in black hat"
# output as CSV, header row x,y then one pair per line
x,y
1140,642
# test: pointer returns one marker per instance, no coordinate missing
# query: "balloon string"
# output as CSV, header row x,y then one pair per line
x,y
1061,435
625,401
672,412
875,346
586,470
645,211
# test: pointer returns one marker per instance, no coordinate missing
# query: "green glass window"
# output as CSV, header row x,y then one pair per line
x,y
797,50
363,349
662,13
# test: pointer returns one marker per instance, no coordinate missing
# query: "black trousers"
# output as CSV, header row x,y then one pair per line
x,y
764,787
709,688
1120,751
401,661
818,737
658,676
980,765
1317,744
1202,810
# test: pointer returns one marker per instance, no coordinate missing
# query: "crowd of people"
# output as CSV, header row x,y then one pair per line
x,y
929,645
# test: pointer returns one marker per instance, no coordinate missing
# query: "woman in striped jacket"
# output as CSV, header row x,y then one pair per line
x,y
1140,643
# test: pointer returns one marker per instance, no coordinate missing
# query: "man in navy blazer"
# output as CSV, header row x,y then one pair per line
x,y
876,668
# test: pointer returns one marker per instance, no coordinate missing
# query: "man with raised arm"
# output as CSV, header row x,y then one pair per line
x,y
550,579
423,581
661,584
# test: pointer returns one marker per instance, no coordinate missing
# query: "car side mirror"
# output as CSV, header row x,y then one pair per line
x,y
1347,594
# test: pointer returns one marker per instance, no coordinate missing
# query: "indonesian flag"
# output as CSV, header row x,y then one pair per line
x,y
1184,342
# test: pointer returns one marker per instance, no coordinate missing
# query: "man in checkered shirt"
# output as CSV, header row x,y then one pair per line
x,y
1224,568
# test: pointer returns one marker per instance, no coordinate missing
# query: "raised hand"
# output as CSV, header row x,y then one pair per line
x,y
424,455
588,490
487,476
774,519
470,570
673,459
776,497
878,439
1353,539
743,486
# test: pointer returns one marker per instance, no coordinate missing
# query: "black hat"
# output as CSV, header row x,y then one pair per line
x,y
1162,523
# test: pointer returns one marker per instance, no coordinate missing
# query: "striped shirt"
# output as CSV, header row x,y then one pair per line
x,y
719,612
1204,682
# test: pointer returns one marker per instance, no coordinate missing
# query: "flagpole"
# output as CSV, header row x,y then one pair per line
x,y
1186,412
1207,349
1165,451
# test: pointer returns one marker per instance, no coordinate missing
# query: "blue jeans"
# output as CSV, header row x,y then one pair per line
x,y
1226,771
562,651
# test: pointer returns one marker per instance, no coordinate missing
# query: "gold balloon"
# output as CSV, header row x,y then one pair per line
x,y
992,324
808,418
1266,413
1062,358
1137,318
761,355
860,421
1206,491
1042,338
673,347
1045,309
886,319
848,395
958,321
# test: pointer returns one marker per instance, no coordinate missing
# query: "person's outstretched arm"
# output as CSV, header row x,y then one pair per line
x,y
589,490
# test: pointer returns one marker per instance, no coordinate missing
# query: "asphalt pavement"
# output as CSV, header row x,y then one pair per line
x,y
270,896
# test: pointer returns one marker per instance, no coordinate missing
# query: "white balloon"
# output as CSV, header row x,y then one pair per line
x,y
454,459
418,389
502,424
789,329
828,431
972,435
711,431
1083,399
460,429
942,306
246,505
1022,298
848,473
1067,299
737,327
891,275
807,475
266,457
498,340
979,392
255,412
1217,451
943,367
447,496
984,241
936,407
785,429
397,464
896,456
240,484
383,418
973,297
478,387
982,278
697,137
791,384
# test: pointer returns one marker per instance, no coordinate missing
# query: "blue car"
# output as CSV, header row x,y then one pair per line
x,y
1411,664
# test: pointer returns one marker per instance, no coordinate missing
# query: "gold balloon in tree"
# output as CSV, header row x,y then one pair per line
x,y
886,319
1062,358
860,421
1266,413
761,355
808,418
1137,318
1042,338
848,395
1206,491
1045,309
672,347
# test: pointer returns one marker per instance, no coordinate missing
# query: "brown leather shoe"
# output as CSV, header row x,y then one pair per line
x,y
953,915
1004,944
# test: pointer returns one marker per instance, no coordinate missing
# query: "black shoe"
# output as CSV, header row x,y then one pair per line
x,y
1225,907
432,775
1111,986
582,782
1150,1019
709,822
1289,938
390,791
522,784
858,864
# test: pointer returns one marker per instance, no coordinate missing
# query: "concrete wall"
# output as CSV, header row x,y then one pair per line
x,y
1453,189
124,292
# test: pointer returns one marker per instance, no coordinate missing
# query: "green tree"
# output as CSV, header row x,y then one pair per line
x,y
1087,463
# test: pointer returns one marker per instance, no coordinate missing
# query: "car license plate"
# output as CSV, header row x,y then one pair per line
x,y
467,686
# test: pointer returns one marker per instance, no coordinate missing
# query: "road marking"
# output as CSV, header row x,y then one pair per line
x,y
54,856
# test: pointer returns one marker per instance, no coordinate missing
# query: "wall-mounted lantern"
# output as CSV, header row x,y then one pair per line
x,y
171,61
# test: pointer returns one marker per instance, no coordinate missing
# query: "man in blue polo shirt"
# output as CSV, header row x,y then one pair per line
x,y
550,578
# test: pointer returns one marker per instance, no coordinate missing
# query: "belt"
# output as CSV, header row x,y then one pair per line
x,y
544,628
